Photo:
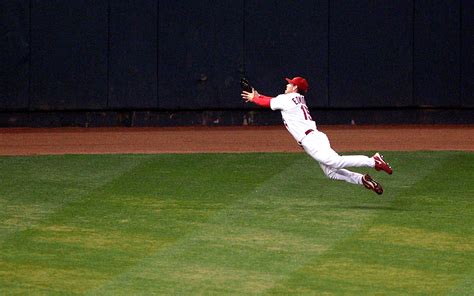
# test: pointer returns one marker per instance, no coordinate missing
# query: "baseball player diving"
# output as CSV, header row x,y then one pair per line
x,y
302,127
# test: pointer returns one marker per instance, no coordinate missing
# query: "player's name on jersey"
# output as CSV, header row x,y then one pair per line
x,y
299,100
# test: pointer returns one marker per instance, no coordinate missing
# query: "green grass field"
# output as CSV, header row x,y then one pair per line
x,y
213,224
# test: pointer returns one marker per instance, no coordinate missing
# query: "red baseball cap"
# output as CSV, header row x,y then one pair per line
x,y
300,82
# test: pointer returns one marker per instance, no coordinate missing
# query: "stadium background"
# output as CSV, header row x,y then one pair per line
x,y
152,81
170,63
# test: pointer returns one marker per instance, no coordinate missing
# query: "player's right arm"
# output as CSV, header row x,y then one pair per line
x,y
256,98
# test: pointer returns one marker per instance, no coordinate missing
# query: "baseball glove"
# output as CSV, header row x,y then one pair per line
x,y
244,83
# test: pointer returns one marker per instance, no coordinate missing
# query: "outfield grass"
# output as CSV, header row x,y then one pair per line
x,y
234,224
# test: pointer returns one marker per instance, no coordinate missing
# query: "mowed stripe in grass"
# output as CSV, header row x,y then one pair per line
x,y
33,188
253,243
423,245
160,198
234,224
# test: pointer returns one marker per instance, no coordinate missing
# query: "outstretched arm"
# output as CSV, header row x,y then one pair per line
x,y
256,98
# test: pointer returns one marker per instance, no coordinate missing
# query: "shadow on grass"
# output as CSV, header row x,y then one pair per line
x,y
373,207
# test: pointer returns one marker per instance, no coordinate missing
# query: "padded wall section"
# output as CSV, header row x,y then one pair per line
x,y
467,53
370,53
14,57
133,54
199,54
68,54
287,39
437,53
229,53
183,55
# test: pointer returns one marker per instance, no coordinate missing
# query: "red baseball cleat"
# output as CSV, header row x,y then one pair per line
x,y
370,184
381,165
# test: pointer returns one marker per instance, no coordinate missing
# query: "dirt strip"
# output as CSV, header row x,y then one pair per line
x,y
39,141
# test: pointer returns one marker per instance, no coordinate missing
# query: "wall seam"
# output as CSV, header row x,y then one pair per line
x,y
29,54
460,55
157,53
108,56
329,56
413,56
243,39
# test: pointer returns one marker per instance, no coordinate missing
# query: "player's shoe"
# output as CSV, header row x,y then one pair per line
x,y
370,184
381,165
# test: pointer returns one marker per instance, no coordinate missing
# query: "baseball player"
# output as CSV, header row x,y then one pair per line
x,y
301,126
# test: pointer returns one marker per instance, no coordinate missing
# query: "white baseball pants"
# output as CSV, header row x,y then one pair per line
x,y
317,145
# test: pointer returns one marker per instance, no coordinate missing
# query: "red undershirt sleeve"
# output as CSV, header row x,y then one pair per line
x,y
262,100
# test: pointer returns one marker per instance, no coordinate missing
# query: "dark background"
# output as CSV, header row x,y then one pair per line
x,y
148,63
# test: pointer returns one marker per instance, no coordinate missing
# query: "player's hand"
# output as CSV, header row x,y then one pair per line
x,y
249,96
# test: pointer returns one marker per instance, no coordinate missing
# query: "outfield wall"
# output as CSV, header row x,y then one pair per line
x,y
153,62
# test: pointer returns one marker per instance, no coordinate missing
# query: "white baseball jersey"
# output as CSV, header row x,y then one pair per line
x,y
295,114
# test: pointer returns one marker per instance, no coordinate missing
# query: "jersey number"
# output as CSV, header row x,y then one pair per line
x,y
306,112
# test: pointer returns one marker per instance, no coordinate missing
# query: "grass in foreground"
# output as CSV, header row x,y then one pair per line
x,y
234,224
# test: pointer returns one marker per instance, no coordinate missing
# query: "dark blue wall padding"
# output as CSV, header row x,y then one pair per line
x,y
467,53
68,54
14,57
436,53
286,39
133,54
199,54
189,55
370,61
228,52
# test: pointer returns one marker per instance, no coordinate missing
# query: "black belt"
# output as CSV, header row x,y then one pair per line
x,y
308,132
